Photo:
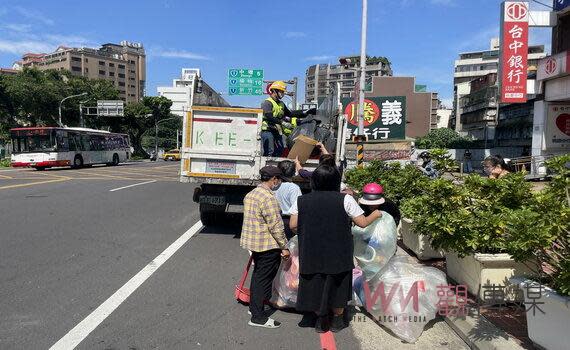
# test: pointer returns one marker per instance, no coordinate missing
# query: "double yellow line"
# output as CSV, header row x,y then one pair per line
x,y
58,178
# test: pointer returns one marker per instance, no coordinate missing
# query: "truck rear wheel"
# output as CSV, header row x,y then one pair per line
x,y
210,215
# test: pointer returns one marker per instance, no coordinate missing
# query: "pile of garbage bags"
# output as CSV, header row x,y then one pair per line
x,y
311,127
414,301
397,291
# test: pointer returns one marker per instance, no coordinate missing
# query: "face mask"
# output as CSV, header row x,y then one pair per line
x,y
276,186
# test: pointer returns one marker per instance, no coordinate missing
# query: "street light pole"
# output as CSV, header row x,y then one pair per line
x,y
61,102
360,143
156,133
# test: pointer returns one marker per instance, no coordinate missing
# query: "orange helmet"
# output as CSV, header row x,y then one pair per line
x,y
278,85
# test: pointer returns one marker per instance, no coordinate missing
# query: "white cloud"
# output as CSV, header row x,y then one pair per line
x,y
34,15
319,58
23,42
290,35
18,27
158,52
69,40
24,46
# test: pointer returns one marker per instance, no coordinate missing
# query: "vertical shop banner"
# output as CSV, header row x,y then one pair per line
x,y
514,51
384,117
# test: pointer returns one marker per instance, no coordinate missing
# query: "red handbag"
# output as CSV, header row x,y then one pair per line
x,y
241,293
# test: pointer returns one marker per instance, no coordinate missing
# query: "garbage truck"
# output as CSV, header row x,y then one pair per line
x,y
222,152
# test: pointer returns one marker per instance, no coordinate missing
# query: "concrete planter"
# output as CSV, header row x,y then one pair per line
x,y
548,330
480,272
419,244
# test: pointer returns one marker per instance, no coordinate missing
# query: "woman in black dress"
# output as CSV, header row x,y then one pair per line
x,y
323,221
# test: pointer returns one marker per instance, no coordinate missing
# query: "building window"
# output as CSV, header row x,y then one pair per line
x,y
121,66
102,72
121,83
121,75
76,59
111,65
111,74
76,69
131,78
132,86
132,62
86,60
101,63
86,70
132,72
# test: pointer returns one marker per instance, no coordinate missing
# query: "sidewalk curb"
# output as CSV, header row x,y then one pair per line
x,y
480,334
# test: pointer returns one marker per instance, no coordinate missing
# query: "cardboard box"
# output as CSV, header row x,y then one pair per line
x,y
302,148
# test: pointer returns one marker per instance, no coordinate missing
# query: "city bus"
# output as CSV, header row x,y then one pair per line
x,y
46,147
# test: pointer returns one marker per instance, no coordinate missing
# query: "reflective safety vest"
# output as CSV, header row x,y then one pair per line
x,y
278,112
287,131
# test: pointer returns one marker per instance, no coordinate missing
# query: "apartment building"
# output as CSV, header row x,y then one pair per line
x,y
123,64
183,96
319,76
478,64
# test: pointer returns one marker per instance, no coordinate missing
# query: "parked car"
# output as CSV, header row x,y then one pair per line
x,y
173,154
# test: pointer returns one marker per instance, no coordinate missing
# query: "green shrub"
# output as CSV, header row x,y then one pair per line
x,y
4,162
470,218
443,161
541,230
399,182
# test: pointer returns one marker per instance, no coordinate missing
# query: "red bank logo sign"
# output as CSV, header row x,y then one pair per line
x,y
517,11
554,66
550,66
514,51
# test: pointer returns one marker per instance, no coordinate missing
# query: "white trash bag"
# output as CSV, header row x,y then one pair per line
x,y
408,300
286,282
375,244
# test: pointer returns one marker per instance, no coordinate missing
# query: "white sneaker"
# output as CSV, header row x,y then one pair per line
x,y
270,323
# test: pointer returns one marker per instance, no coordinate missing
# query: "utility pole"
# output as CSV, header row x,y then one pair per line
x,y
294,97
361,137
177,139
81,115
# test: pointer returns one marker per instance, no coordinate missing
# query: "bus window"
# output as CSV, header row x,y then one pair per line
x,y
72,146
62,141
85,144
35,143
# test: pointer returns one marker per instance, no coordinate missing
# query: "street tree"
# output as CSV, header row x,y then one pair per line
x,y
140,119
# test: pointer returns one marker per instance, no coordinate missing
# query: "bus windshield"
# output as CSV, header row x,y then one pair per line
x,y
44,142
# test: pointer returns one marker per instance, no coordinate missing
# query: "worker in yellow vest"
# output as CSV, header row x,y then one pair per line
x,y
278,120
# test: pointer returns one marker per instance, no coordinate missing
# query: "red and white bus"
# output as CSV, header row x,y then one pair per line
x,y
46,147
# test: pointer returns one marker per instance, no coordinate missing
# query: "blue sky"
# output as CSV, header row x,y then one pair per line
x,y
420,37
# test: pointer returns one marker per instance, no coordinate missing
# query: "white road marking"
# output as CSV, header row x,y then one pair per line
x,y
133,185
85,327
